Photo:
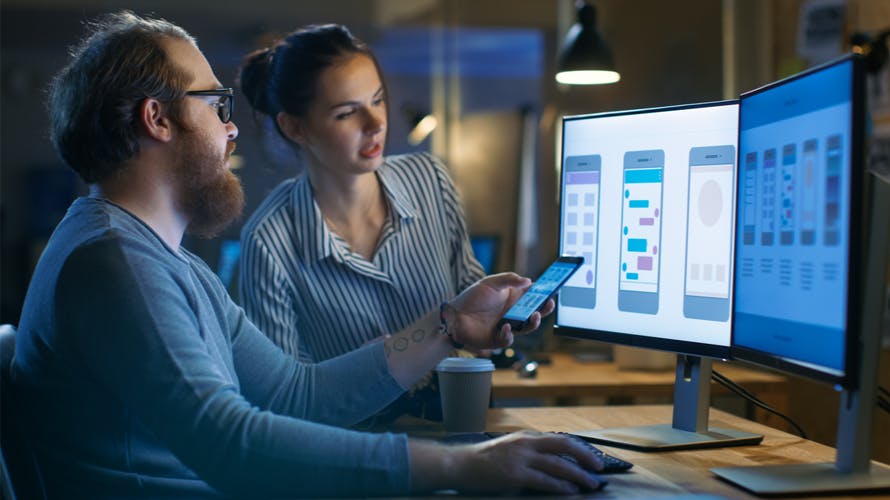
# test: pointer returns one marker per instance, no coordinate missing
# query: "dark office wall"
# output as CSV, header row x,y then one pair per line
x,y
666,56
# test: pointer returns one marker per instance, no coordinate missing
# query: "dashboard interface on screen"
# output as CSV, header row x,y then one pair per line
x,y
647,198
794,207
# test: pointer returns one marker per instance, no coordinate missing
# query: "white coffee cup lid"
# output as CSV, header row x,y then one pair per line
x,y
466,365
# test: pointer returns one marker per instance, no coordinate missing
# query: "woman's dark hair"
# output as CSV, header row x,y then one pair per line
x,y
93,100
284,77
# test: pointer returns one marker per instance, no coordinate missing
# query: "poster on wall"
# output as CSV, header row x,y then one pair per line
x,y
820,30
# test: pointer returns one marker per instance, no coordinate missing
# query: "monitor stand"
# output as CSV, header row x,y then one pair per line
x,y
852,470
692,399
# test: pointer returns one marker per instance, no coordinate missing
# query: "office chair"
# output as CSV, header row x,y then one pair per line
x,y
17,464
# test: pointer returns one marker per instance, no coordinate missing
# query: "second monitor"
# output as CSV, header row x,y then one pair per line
x,y
647,198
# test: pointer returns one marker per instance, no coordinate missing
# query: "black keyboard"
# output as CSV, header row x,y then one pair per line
x,y
611,463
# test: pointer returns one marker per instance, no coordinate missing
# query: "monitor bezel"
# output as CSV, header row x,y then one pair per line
x,y
849,377
629,339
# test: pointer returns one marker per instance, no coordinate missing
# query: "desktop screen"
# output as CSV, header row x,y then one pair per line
x,y
795,209
227,264
647,198
485,248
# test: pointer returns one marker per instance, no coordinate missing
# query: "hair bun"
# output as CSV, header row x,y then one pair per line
x,y
253,79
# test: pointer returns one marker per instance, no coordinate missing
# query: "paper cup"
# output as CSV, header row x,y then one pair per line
x,y
465,389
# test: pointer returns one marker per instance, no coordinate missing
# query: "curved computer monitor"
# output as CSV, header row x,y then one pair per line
x,y
648,199
810,261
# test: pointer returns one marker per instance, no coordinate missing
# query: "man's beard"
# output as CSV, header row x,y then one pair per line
x,y
210,195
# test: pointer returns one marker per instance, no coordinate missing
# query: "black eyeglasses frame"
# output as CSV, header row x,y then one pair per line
x,y
226,104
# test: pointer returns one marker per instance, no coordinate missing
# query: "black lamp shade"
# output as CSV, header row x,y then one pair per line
x,y
585,57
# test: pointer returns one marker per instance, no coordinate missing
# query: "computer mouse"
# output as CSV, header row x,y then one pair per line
x,y
600,480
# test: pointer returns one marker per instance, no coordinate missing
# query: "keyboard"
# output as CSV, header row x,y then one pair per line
x,y
611,463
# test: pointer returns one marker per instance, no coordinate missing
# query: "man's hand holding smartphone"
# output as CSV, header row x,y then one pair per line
x,y
472,317
523,314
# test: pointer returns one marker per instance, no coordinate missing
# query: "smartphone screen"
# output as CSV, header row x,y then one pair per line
x,y
749,207
788,212
808,191
833,163
709,232
580,222
536,296
768,198
641,218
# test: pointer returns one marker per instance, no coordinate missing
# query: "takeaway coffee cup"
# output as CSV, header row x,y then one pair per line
x,y
465,388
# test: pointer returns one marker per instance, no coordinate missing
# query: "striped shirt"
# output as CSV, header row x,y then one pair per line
x,y
315,298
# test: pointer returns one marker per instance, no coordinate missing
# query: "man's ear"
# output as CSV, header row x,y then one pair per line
x,y
153,120
291,127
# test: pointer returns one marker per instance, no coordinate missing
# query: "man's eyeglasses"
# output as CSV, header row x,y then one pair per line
x,y
224,106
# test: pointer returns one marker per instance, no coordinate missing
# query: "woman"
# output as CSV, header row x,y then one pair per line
x,y
361,244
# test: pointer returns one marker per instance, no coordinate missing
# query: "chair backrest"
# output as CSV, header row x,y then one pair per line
x,y
7,351
19,467
7,347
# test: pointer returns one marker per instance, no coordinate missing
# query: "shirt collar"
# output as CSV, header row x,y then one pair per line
x,y
316,241
397,193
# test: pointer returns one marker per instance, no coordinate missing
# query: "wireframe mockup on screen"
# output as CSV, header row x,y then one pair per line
x,y
648,200
795,280
805,301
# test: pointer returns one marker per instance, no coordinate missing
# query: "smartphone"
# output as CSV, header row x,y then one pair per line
x,y
768,198
789,187
709,232
641,197
580,227
808,191
537,295
749,198
833,166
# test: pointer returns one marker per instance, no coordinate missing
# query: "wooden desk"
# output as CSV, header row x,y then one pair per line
x,y
659,474
567,381
666,473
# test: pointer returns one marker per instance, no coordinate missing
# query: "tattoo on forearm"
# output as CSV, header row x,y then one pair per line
x,y
400,344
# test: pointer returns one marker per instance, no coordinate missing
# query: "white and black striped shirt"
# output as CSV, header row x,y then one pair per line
x,y
311,295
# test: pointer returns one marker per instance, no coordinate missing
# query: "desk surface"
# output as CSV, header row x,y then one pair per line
x,y
567,381
566,377
665,474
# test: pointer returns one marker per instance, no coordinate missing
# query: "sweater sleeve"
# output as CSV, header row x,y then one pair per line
x,y
360,379
135,332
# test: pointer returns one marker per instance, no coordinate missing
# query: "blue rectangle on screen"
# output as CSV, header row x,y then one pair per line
x,y
638,203
803,96
638,175
583,178
818,344
636,245
633,276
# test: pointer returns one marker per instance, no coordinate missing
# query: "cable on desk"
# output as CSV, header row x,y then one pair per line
x,y
884,391
883,403
741,391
